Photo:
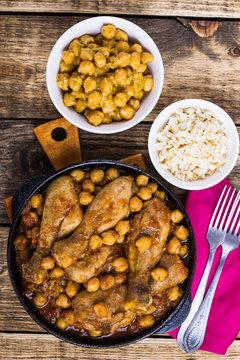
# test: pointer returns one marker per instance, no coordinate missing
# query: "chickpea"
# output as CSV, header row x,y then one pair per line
x,y
95,242
89,84
94,333
85,198
78,174
120,264
56,272
109,237
141,68
142,180
69,99
146,57
40,299
137,48
108,106
123,46
121,239
87,113
147,83
94,99
100,59
68,57
80,105
94,46
30,219
101,309
134,60
98,39
93,284
120,278
121,35
76,61
134,103
61,323
181,232
65,68
75,46
143,243
173,293
120,76
122,59
112,174
145,193
146,321
176,216
63,81
72,288
48,263
69,317
153,187
120,99
159,274
107,119
95,117
122,227
86,67
108,31
86,54
63,301
105,50
106,86
86,39
174,246
129,91
135,204
88,185
21,242
75,81
127,112
116,115
96,175
160,194
183,250
106,282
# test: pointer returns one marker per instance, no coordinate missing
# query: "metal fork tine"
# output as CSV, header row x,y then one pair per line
x,y
237,228
232,212
216,209
227,208
235,218
221,210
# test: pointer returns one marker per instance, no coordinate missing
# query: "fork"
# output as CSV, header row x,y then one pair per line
x,y
195,333
215,236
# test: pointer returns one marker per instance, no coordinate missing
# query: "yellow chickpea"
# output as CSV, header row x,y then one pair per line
x,y
106,86
94,333
122,227
94,99
96,175
173,293
146,57
153,187
63,301
129,91
65,68
174,246
120,99
109,237
145,193
69,99
86,67
40,299
159,274
63,81
116,115
48,263
108,106
69,317
160,194
78,174
127,112
75,46
72,288
134,103
120,264
35,232
107,119
75,81
95,117
137,48
134,60
68,56
112,173
105,50
147,83
146,321
56,272
93,284
85,198
135,204
88,185
121,239
86,39
122,59
100,59
36,201
181,232
61,323
98,39
95,242
21,242
120,76
143,243
120,278
108,31
123,46
30,219
86,54
141,68
176,216
89,84
142,180
121,35
183,250
106,282
101,309
80,105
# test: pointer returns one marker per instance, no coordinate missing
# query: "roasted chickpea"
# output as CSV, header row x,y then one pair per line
x,y
135,204
94,333
63,81
108,31
120,278
181,232
123,46
69,99
75,46
121,35
72,288
106,86
147,83
120,76
120,99
183,250
109,237
89,84
145,193
40,299
127,112
122,59
93,284
174,246
80,105
159,274
134,60
173,293
134,103
86,39
160,194
121,239
95,242
137,48
100,59
108,106
35,232
86,54
116,115
94,99
106,282
143,243
122,227
78,174
101,309
129,91
48,263
176,216
63,301
69,317
142,180
107,119
153,187
68,57
96,117
96,175
56,272
75,81
146,321
88,185
99,39
30,219
85,198
112,174
21,242
141,68
61,323
86,67
120,264
65,68
146,57
105,50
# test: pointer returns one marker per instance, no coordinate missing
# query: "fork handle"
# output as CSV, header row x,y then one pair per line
x,y
195,333
197,300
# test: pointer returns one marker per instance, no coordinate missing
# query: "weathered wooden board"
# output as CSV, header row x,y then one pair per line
x,y
195,67
201,8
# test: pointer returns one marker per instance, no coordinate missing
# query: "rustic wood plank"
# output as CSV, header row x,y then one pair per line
x,y
201,8
195,67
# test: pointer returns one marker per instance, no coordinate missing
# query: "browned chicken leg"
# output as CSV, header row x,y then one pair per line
x,y
109,206
152,221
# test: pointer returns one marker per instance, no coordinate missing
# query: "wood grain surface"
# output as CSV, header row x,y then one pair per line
x,y
200,8
191,63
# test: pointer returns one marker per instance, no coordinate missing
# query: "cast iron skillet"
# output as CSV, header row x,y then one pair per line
x,y
38,184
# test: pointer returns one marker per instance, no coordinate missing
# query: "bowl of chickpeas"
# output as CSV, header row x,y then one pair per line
x,y
86,302
105,74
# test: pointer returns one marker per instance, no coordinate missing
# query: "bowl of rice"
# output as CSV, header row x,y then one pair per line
x,y
193,144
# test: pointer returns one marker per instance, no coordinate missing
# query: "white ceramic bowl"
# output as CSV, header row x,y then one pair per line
x,y
232,144
93,26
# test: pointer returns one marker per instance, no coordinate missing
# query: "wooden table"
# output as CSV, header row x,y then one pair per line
x,y
201,60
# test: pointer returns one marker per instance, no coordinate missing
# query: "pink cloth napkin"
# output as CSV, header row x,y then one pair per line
x,y
224,319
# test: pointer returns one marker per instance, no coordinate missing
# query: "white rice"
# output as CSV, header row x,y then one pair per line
x,y
193,144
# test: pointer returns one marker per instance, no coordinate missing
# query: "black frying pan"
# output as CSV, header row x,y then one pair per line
x,y
170,321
